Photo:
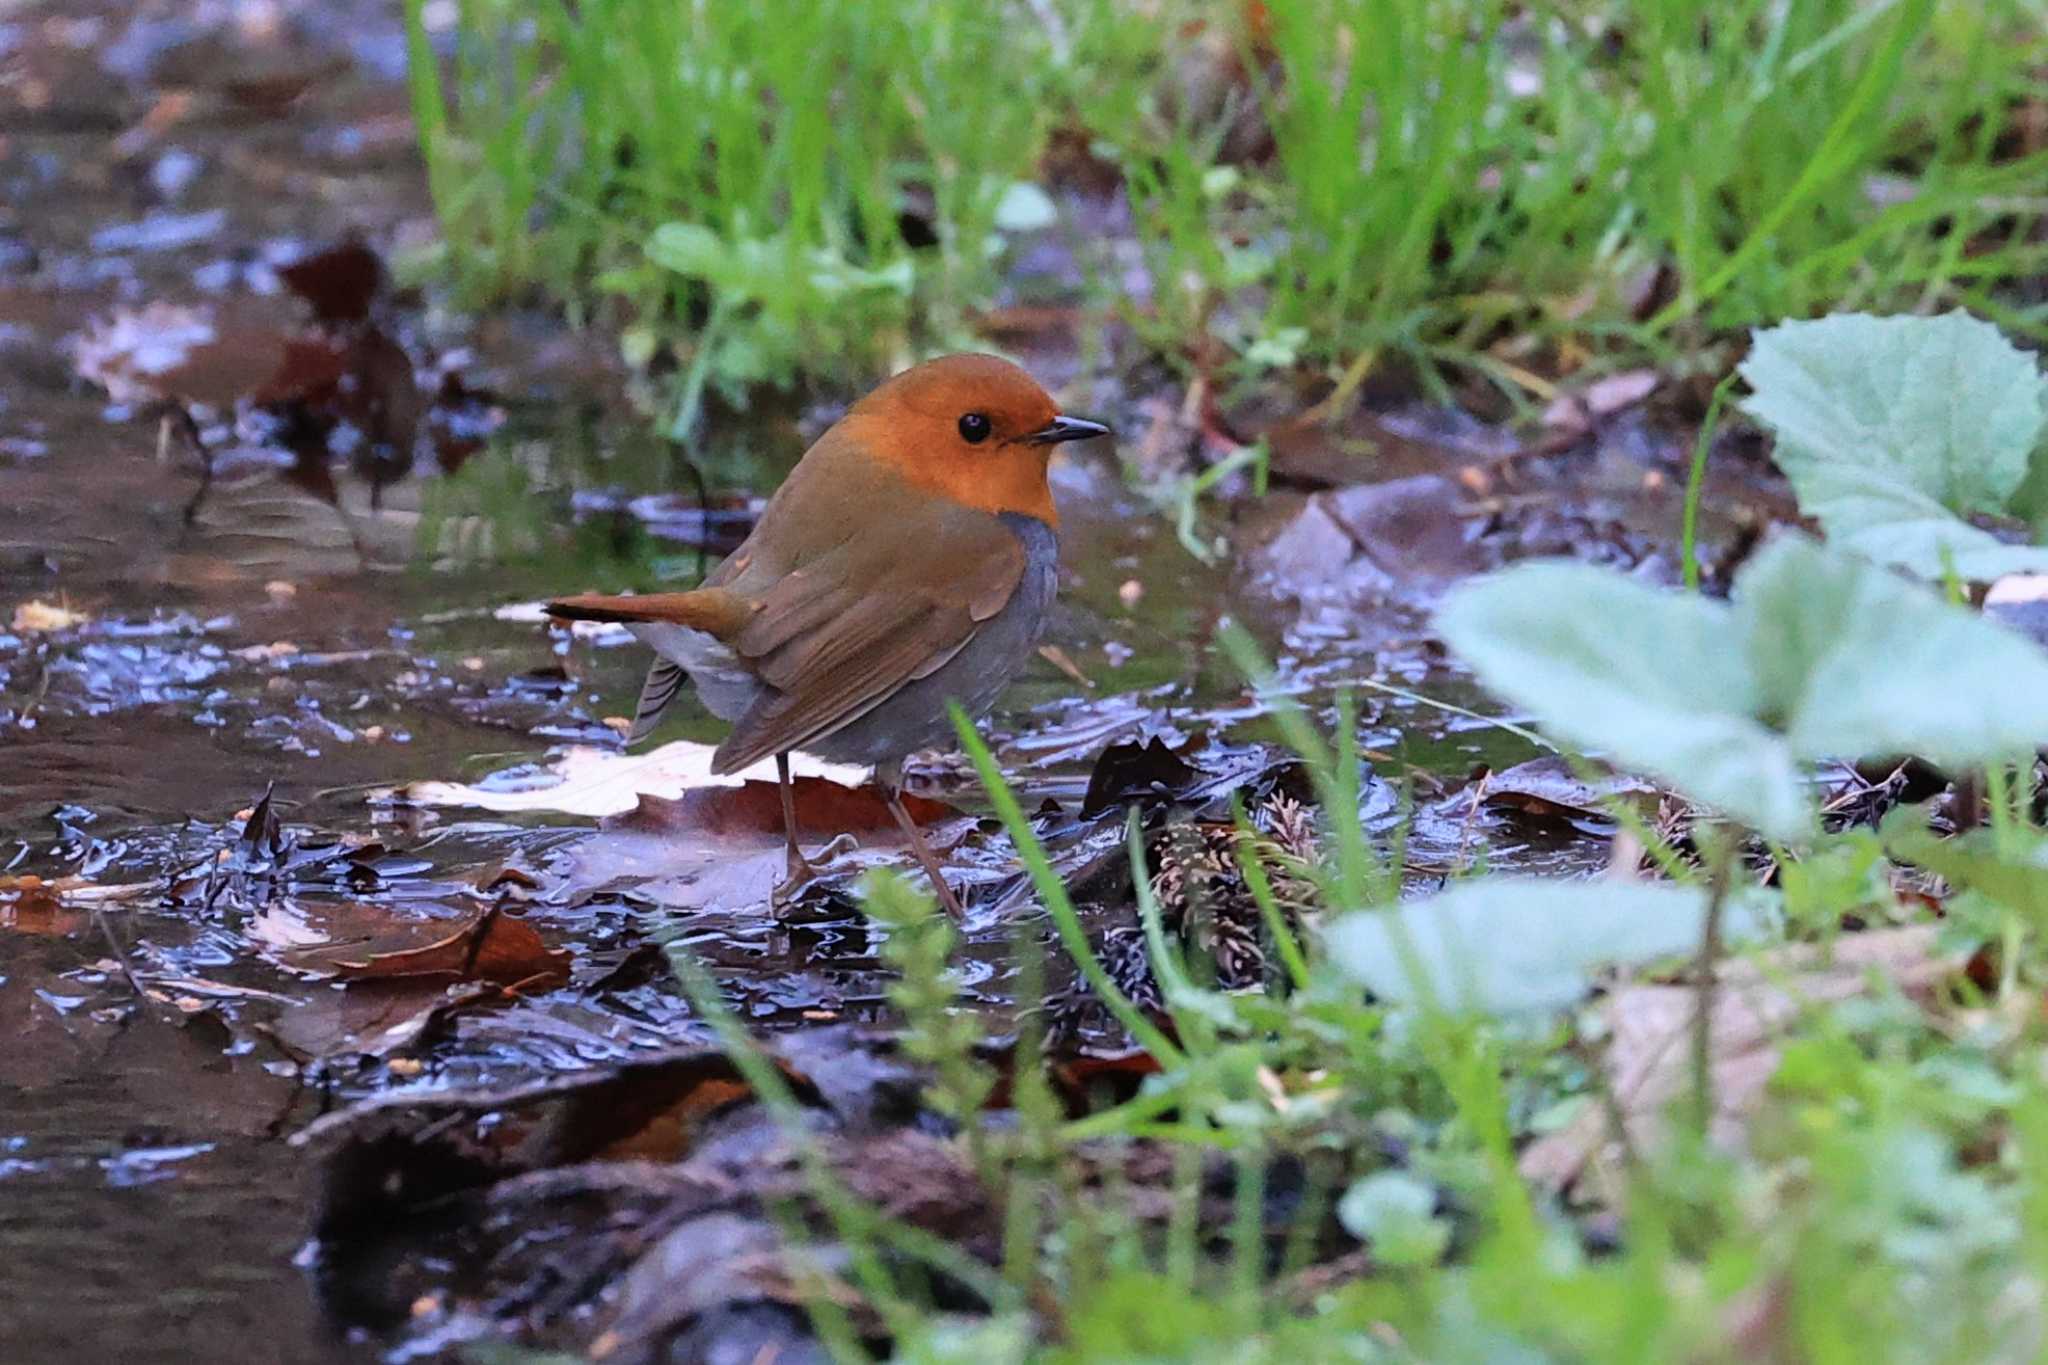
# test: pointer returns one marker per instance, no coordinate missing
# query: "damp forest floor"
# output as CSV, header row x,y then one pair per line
x,y
317,844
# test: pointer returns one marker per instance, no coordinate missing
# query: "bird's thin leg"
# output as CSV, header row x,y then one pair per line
x,y
923,851
801,872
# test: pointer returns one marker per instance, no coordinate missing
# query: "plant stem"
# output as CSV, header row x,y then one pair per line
x,y
1722,867
1695,482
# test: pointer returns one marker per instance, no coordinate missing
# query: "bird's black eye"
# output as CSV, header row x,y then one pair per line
x,y
974,428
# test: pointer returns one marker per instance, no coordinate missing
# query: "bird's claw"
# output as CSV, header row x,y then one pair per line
x,y
803,871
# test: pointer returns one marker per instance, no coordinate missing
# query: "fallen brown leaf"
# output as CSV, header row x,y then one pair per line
x,y
1548,786
493,947
722,847
376,1018
1649,1058
368,941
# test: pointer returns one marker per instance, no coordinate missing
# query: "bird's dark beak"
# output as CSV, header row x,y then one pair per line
x,y
1066,429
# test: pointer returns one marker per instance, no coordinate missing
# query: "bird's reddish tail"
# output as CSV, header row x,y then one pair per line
x,y
715,611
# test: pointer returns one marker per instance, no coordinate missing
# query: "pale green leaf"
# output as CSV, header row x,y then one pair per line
x,y
1657,680
689,249
1505,945
1891,522
1823,655
1946,404
1853,661
1893,429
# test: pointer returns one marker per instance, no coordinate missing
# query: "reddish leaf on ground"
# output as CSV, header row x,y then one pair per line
x,y
823,808
338,283
722,847
1084,1081
373,942
493,947
30,905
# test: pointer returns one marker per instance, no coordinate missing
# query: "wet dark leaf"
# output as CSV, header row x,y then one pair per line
x,y
1150,771
409,1179
379,1018
308,370
207,355
460,420
1414,528
637,1110
1549,787
648,1111
338,283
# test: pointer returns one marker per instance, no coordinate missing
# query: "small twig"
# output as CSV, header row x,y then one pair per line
x,y
1338,399
478,932
120,956
182,417
1471,814
1597,1063
41,691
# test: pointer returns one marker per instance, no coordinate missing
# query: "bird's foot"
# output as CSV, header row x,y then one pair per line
x,y
802,871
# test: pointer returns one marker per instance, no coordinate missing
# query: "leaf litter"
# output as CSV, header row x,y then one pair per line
x,y
1759,1001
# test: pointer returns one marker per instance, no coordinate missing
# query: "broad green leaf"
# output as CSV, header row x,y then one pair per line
x,y
1822,655
1655,679
1893,429
1505,945
1891,522
1853,661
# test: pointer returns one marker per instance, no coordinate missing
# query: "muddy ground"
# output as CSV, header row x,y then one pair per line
x,y
227,907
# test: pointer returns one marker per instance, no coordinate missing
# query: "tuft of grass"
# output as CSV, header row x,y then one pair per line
x,y
821,188
765,189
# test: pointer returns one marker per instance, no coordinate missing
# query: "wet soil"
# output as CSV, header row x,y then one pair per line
x,y
327,632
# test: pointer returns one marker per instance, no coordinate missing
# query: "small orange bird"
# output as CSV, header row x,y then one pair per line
x,y
908,561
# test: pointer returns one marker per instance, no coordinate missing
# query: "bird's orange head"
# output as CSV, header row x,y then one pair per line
x,y
972,428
